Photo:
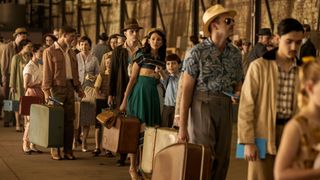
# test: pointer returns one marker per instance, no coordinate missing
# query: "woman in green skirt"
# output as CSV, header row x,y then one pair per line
x,y
141,97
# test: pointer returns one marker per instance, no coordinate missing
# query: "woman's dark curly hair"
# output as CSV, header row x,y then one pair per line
x,y
23,43
162,49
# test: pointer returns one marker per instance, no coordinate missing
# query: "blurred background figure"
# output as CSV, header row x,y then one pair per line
x,y
261,46
245,52
307,48
101,48
49,39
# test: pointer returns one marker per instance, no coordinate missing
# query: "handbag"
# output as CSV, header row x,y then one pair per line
x,y
108,117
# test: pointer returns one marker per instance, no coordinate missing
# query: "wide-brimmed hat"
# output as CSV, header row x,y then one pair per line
x,y
211,14
20,30
131,24
264,32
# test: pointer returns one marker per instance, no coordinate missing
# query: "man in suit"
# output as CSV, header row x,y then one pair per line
x,y
307,48
261,46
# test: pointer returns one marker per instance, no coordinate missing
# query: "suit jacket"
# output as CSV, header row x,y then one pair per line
x,y
307,49
119,77
8,51
54,69
257,51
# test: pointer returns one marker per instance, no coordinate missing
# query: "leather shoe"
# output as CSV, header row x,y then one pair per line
x,y
96,152
69,157
56,157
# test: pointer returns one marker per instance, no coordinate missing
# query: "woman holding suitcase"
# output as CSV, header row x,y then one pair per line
x,y
141,97
32,77
18,62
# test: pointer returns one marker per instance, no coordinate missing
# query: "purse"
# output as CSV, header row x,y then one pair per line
x,y
108,117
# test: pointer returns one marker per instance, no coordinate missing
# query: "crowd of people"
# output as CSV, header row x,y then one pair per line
x,y
275,83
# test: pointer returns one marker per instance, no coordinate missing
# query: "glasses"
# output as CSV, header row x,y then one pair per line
x,y
228,21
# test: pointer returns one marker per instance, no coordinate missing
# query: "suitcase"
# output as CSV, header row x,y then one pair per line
x,y
10,105
123,136
108,117
25,104
182,161
155,139
46,125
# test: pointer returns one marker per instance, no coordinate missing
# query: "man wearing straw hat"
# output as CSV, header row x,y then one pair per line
x,y
120,67
213,68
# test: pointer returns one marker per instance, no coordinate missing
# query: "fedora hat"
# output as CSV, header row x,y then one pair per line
x,y
20,30
264,32
211,14
131,24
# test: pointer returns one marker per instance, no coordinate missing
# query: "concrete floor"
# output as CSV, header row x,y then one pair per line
x,y
15,165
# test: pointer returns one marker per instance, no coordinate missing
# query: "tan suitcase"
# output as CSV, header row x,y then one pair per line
x,y
182,161
123,136
155,139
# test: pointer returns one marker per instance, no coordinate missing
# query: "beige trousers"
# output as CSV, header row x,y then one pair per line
x,y
263,169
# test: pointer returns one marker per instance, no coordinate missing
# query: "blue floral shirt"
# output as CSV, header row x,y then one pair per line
x,y
214,71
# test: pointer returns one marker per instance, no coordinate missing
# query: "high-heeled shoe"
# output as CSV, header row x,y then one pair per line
x,y
133,174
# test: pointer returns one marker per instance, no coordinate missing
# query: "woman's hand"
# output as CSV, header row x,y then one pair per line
x,y
123,106
183,135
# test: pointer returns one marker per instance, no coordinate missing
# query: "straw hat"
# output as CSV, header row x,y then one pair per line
x,y
211,14
19,31
131,24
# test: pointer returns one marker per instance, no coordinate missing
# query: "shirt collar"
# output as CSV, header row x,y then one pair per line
x,y
57,46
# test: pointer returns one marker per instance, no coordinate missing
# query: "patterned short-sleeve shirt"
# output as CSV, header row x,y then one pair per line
x,y
214,71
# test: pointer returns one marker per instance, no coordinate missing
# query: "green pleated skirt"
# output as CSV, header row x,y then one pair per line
x,y
143,102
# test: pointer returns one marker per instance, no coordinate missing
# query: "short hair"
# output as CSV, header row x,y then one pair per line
x,y
307,27
194,39
66,29
173,57
36,47
23,43
289,25
85,38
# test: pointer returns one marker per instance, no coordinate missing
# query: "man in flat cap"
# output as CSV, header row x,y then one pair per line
x,y
212,69
121,61
261,46
9,50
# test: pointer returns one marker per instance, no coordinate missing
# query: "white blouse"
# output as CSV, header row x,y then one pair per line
x,y
35,71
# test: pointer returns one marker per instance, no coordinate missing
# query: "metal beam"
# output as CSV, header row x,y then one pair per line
x,y
203,6
161,17
63,12
195,18
50,15
269,15
153,13
98,8
122,13
79,14
255,19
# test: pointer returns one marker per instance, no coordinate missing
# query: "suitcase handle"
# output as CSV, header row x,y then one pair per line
x,y
55,101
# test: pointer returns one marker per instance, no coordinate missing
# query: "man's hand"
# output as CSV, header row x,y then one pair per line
x,y
251,152
12,90
236,97
110,100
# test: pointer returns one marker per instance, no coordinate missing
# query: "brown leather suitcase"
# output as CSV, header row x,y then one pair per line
x,y
123,136
25,104
155,139
182,161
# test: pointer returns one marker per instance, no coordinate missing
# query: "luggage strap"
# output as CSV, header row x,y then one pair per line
x,y
202,162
